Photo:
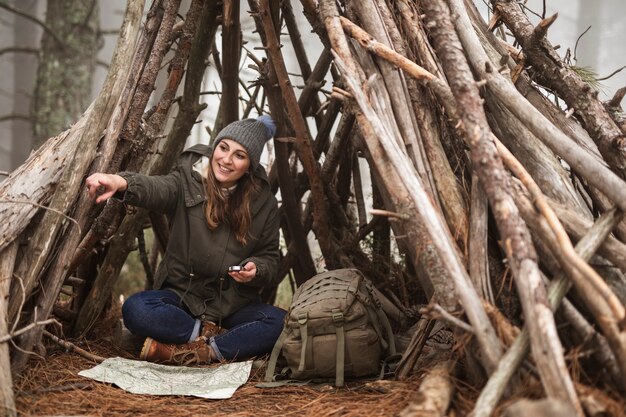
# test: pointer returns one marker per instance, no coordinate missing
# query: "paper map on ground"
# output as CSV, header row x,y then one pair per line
x,y
140,377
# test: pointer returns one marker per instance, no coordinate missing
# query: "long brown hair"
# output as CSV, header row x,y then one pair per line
x,y
233,209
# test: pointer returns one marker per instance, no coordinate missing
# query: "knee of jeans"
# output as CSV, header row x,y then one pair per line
x,y
130,312
276,320
280,316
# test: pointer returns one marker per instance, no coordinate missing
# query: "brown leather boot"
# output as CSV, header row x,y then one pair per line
x,y
193,353
210,329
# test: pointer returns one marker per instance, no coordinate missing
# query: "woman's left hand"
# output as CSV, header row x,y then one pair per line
x,y
246,275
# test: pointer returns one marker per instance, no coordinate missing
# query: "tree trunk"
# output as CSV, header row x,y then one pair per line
x,y
66,65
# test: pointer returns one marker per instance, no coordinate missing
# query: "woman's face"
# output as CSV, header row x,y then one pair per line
x,y
230,162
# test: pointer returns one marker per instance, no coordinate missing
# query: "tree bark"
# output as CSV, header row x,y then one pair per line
x,y
66,66
231,45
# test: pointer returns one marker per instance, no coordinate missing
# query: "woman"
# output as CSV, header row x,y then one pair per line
x,y
221,214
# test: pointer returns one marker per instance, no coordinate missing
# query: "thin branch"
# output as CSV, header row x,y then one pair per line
x,y
436,311
19,49
25,15
16,333
577,40
611,74
105,32
386,213
523,6
8,117
617,98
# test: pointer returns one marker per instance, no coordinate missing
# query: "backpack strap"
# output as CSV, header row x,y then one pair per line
x,y
341,347
387,326
271,364
391,348
374,319
303,318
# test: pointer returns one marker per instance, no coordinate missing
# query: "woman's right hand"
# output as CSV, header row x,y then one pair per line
x,y
101,186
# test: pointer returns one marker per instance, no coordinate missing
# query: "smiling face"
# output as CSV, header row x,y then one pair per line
x,y
230,162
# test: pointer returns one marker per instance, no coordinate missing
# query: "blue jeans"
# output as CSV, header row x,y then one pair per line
x,y
252,330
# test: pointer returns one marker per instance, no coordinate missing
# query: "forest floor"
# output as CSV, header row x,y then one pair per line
x,y
52,386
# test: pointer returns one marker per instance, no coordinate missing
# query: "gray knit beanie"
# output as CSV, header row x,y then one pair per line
x,y
251,134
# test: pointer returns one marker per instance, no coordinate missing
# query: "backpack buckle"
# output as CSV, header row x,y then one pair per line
x,y
338,318
303,318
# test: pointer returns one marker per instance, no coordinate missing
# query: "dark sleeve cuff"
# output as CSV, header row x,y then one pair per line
x,y
130,181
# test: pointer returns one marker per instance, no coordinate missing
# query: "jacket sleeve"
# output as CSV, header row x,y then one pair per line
x,y
267,254
155,193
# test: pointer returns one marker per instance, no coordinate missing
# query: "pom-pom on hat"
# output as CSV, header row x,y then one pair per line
x,y
251,134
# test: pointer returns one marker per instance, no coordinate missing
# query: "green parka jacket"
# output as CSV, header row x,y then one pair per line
x,y
196,259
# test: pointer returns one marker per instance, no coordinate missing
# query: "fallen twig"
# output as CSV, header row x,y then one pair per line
x,y
72,347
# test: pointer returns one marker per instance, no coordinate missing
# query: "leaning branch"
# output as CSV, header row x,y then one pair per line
x,y
512,359
566,246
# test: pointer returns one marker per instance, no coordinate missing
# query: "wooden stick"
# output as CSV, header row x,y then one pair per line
x,y
511,360
413,351
478,237
564,242
70,347
7,262
435,311
303,144
25,329
434,394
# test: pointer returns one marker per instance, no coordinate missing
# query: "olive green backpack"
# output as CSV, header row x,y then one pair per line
x,y
335,328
